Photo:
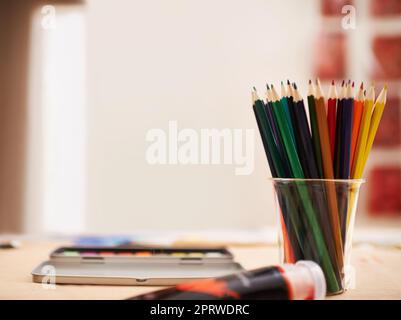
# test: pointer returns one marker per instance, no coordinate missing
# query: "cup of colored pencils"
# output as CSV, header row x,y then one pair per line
x,y
317,156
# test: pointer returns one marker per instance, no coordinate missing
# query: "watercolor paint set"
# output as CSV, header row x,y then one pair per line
x,y
140,252
134,265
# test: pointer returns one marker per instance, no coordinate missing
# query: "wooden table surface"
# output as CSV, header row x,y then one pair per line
x,y
378,274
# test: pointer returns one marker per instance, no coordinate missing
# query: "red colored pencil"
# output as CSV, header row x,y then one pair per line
x,y
331,116
356,121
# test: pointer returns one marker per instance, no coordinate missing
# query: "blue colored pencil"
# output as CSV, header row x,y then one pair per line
x,y
346,128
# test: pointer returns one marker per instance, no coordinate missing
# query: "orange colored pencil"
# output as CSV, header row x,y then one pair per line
x,y
288,251
356,121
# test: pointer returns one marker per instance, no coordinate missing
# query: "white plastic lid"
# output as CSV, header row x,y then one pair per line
x,y
303,276
318,277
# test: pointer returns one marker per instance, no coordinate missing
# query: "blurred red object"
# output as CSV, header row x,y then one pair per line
x,y
387,52
385,7
333,7
389,132
330,56
385,190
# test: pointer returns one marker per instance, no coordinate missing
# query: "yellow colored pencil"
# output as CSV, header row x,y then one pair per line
x,y
374,123
358,163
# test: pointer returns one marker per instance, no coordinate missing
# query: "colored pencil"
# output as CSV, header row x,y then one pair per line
x,y
276,134
374,123
345,157
346,133
358,163
339,130
314,129
261,120
331,116
356,122
305,140
285,103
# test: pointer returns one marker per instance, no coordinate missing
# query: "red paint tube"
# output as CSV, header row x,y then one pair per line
x,y
301,281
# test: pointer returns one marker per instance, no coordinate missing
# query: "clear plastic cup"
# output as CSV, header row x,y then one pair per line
x,y
316,219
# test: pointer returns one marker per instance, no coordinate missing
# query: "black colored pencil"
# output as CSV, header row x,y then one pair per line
x,y
347,119
339,124
345,157
305,146
314,129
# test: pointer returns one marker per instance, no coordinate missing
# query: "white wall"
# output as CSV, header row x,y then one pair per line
x,y
195,62
55,195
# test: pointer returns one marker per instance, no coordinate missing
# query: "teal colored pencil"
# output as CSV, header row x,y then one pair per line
x,y
285,103
289,143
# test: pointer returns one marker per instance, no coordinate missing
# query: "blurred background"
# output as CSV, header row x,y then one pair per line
x,y
82,82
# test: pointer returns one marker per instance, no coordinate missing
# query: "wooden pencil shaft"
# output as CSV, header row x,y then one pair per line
x,y
357,169
331,119
324,139
276,161
289,144
356,123
305,146
339,139
278,139
263,136
285,103
291,104
315,135
374,125
328,174
346,136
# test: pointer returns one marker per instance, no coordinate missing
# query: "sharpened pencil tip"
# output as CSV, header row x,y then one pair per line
x,y
310,81
295,86
272,86
267,86
353,84
342,83
361,85
254,89
288,82
332,82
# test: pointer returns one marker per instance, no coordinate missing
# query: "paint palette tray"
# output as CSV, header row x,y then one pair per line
x,y
134,265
